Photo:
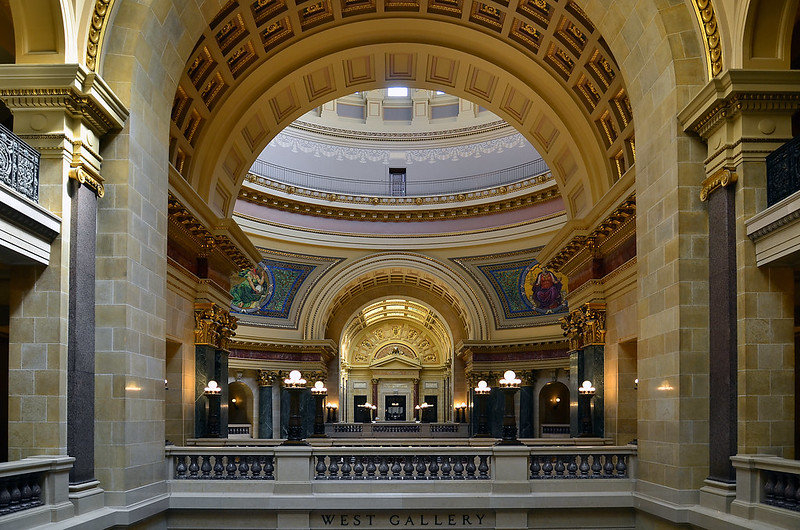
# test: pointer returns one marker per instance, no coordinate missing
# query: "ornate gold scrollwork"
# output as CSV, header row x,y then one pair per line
x,y
721,178
99,22
87,178
214,326
266,377
711,37
585,326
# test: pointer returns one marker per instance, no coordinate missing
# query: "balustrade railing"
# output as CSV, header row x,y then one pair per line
x,y
783,171
402,467
21,492
19,165
781,490
381,185
579,466
224,467
32,489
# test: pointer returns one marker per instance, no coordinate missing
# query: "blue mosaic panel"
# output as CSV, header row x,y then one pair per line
x,y
268,289
525,289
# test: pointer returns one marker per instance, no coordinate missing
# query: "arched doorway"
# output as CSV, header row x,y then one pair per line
x,y
554,410
240,410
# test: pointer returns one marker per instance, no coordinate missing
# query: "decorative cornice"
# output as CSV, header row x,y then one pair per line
x,y
214,326
100,18
585,326
711,35
428,201
787,219
621,215
417,209
91,179
325,348
205,238
380,136
720,179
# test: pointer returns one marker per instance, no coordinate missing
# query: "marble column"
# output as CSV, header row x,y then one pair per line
x,y
265,381
722,353
81,334
587,364
526,401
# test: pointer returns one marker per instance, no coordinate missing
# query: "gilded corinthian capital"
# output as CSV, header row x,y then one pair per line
x,y
214,326
585,326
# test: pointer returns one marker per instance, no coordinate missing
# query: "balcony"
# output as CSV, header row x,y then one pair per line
x,y
26,229
776,231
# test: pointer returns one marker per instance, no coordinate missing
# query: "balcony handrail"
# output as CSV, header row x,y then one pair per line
x,y
783,171
19,165
32,485
380,186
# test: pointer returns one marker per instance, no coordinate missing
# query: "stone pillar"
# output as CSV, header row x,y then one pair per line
x,y
214,326
722,321
52,309
585,331
742,120
526,404
265,381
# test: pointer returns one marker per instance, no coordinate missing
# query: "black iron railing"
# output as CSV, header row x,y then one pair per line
x,y
783,171
19,165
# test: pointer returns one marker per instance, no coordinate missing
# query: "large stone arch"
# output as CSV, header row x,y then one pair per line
x,y
44,32
766,35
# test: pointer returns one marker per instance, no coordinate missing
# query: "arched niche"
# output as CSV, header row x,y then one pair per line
x,y
553,407
240,404
43,31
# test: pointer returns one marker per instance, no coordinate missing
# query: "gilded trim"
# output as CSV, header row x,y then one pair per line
x,y
585,326
707,19
97,30
214,326
720,179
88,179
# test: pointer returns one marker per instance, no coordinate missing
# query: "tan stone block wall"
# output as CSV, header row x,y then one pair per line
x,y
765,311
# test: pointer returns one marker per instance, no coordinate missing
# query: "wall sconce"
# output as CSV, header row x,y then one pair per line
x,y
636,384
235,403
555,401
166,385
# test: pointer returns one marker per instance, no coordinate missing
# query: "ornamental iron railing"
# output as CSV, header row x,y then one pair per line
x,y
783,171
381,186
19,165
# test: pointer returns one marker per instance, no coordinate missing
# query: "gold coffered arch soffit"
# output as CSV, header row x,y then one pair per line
x,y
540,65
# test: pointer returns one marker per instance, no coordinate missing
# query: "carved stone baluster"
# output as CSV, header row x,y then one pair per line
x,y
560,467
572,467
346,468
321,467
383,469
269,468
358,469
396,467
584,467
608,469
218,467
371,468
408,468
180,469
622,466
333,468
458,468
243,467
547,468
596,466
420,468
205,467
24,492
780,486
535,467
193,467
483,468
16,495
470,468
36,491
230,468
433,468
789,492
5,497
255,469
769,489
446,468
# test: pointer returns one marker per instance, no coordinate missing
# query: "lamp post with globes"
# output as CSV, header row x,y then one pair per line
x,y
212,391
294,384
319,392
509,385
585,394
481,393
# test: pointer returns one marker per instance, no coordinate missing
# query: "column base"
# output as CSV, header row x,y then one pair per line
x,y
717,495
86,496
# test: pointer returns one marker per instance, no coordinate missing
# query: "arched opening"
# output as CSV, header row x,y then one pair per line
x,y
240,408
554,410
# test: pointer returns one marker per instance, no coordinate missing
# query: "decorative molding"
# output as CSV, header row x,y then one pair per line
x,y
585,326
720,179
730,106
266,377
415,211
385,136
214,326
619,218
91,179
711,35
100,18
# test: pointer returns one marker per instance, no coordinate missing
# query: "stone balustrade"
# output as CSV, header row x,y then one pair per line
x,y
768,489
402,464
598,465
34,491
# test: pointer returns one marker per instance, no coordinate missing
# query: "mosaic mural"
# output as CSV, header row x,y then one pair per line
x,y
273,291
521,291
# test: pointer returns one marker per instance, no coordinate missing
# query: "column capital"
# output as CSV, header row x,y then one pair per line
x,y
585,326
214,326
267,377
720,179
